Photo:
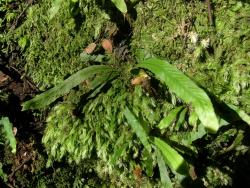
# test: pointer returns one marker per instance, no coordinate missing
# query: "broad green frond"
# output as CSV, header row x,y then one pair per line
x,y
166,122
137,127
120,5
184,88
243,115
165,180
46,98
173,159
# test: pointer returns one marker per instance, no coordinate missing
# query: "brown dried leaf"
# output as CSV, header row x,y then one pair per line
x,y
14,131
107,45
137,80
192,173
3,77
140,79
137,172
90,48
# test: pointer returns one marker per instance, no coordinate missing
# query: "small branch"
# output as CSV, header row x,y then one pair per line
x,y
18,168
209,9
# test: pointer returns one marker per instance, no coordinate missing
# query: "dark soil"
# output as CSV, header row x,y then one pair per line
x,y
28,128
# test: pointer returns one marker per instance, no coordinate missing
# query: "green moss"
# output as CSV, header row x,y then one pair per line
x,y
52,47
162,27
216,178
99,131
218,58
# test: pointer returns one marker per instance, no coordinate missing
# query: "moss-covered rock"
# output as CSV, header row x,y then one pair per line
x,y
218,57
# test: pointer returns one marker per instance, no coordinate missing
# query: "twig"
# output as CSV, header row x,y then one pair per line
x,y
209,9
18,168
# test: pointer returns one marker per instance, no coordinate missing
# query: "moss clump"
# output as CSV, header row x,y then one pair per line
x,y
99,132
52,47
216,178
218,58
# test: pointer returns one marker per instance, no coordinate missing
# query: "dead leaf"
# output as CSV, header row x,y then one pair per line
x,y
107,45
137,172
14,131
140,79
3,77
137,80
90,48
192,173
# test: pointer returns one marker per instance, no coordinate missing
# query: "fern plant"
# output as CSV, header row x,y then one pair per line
x,y
95,126
100,132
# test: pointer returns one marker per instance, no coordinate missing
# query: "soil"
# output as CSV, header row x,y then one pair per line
x,y
28,129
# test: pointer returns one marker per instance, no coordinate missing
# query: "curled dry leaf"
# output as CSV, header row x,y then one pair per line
x,y
107,45
14,131
140,79
90,48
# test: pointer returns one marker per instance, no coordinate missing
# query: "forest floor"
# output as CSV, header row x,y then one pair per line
x,y
219,160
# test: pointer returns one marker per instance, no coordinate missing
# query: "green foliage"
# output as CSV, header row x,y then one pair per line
x,y
93,128
121,5
174,160
137,128
53,46
104,74
8,133
55,8
172,115
98,130
241,114
165,180
216,178
4,95
70,132
10,10
2,174
186,89
217,58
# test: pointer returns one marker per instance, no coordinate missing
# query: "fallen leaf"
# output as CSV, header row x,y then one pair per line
x,y
107,45
14,131
137,80
140,79
90,48
137,172
192,173
3,77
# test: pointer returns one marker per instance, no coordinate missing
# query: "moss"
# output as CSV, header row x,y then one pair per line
x,y
216,57
216,178
92,134
98,130
52,47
